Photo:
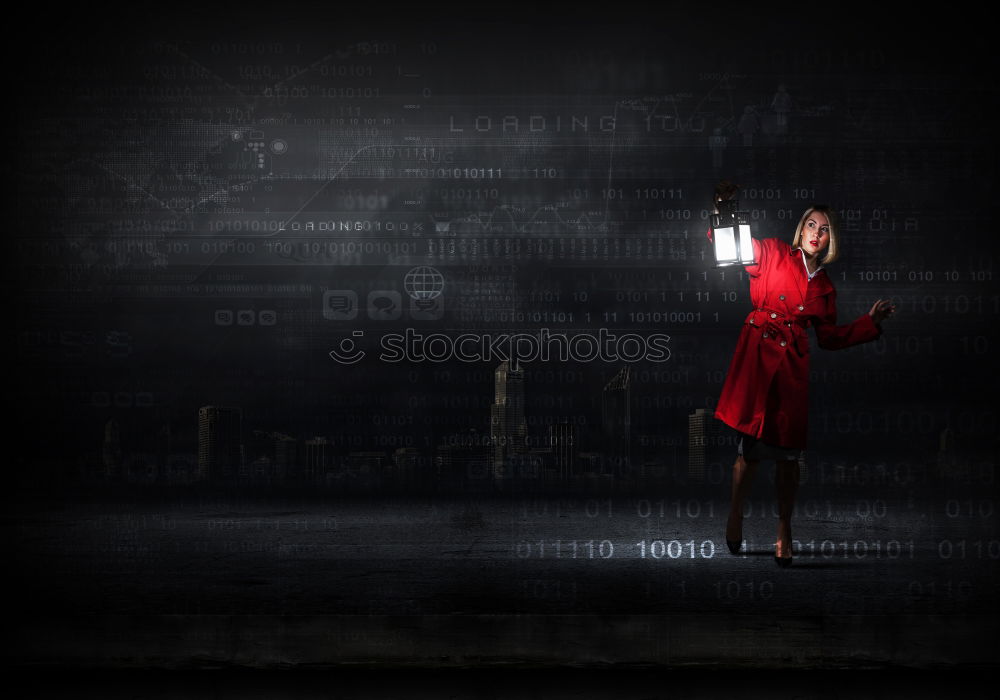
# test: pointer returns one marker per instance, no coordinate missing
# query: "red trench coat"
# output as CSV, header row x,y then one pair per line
x,y
766,392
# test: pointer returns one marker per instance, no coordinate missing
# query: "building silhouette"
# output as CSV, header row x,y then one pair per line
x,y
508,427
701,429
563,444
318,457
367,464
220,443
616,421
946,461
285,455
270,457
361,471
111,452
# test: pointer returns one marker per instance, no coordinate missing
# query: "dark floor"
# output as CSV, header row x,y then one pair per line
x,y
877,583
481,684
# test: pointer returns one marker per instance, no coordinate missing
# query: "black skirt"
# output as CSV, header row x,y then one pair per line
x,y
750,447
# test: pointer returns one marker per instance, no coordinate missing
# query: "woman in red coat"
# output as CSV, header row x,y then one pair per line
x,y
766,393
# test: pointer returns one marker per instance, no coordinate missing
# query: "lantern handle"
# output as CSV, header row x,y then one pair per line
x,y
724,191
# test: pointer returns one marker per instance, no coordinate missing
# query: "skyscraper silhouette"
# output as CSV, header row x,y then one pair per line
x,y
701,427
317,459
220,443
508,427
285,455
562,442
616,420
270,456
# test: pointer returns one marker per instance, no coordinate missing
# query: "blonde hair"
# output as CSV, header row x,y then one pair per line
x,y
833,250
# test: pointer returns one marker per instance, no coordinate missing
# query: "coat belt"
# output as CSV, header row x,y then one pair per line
x,y
768,314
775,323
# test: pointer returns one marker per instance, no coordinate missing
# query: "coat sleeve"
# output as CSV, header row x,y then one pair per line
x,y
833,337
758,255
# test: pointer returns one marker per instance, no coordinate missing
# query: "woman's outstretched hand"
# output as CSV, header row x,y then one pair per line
x,y
725,190
881,310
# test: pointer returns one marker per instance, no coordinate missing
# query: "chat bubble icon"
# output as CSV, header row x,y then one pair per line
x,y
340,304
267,317
384,305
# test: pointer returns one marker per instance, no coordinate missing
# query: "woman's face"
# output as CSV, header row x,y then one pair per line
x,y
815,234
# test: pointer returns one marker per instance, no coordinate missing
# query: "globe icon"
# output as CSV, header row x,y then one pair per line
x,y
423,283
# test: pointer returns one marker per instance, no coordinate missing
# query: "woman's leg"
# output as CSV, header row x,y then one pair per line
x,y
786,482
743,474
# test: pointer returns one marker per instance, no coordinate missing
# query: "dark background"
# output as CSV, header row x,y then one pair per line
x,y
143,210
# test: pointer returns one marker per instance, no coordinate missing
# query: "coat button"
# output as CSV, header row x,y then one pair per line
x,y
801,308
788,323
751,322
774,315
782,297
765,334
783,343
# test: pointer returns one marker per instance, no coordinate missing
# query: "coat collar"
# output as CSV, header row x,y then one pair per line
x,y
819,285
805,266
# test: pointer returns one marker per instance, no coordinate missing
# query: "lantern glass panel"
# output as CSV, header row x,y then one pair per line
x,y
746,244
725,244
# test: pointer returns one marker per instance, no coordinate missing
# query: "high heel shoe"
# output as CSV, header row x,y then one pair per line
x,y
734,545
